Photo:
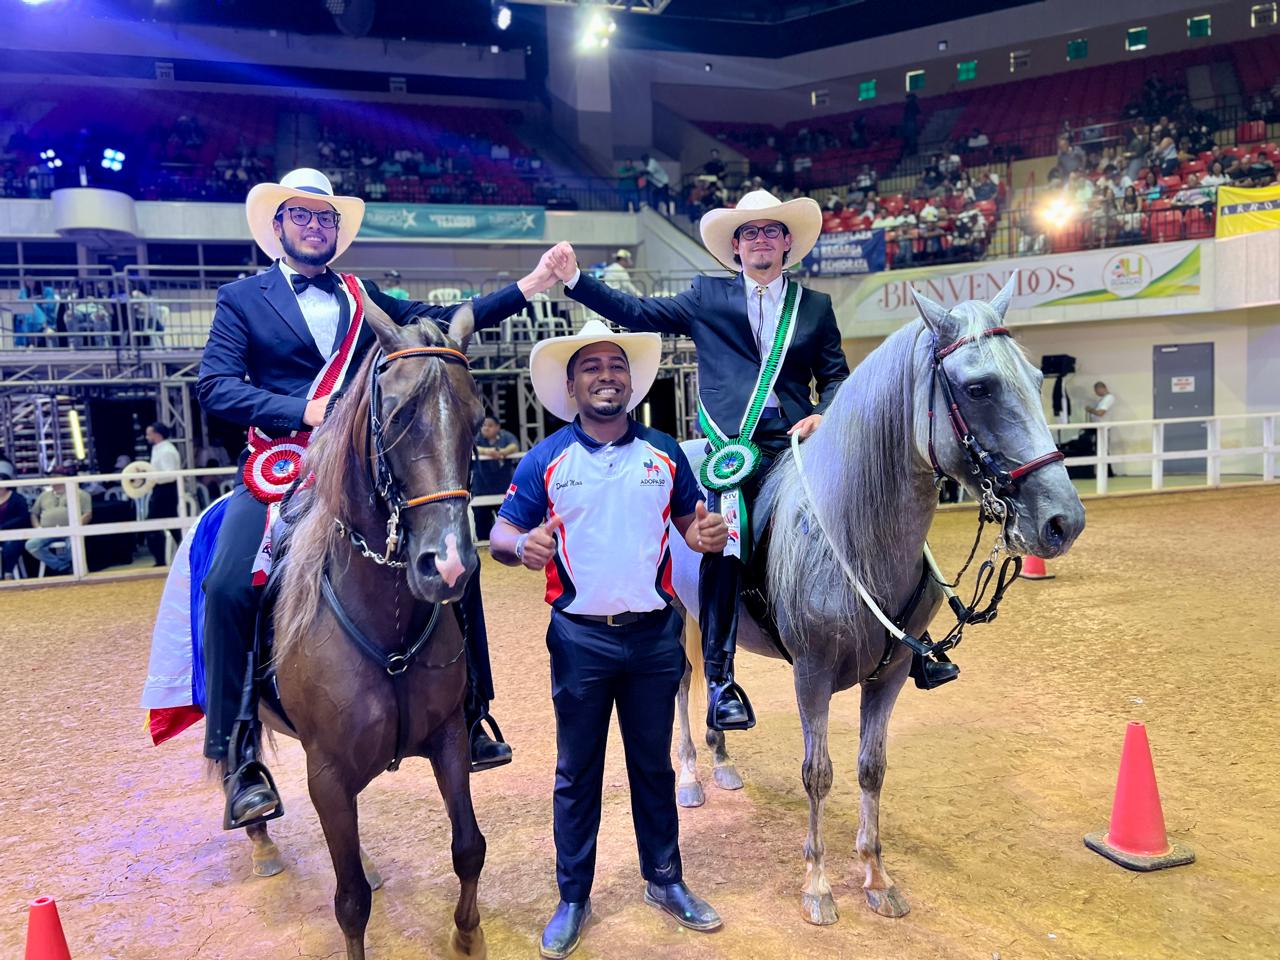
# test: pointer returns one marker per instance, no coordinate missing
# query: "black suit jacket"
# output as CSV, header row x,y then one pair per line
x,y
260,358
713,311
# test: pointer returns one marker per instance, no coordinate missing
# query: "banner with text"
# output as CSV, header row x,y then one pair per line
x,y
1243,210
1069,279
842,254
439,220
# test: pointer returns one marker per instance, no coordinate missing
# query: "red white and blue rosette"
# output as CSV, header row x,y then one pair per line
x,y
273,466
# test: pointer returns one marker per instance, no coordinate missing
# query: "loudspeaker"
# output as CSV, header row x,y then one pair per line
x,y
1057,364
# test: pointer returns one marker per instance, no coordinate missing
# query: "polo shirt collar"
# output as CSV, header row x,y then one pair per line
x,y
592,444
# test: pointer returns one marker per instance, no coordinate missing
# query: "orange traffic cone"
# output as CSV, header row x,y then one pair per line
x,y
1136,838
45,940
1033,569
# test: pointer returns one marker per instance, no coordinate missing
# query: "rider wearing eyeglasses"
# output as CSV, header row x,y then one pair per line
x,y
769,362
272,336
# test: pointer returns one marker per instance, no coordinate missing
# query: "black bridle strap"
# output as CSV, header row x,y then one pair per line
x,y
396,663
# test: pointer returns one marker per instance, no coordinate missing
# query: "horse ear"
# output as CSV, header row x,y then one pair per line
x,y
1000,303
462,325
384,328
936,317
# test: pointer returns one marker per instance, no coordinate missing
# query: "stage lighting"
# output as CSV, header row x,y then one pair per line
x,y
51,159
596,30
112,160
501,16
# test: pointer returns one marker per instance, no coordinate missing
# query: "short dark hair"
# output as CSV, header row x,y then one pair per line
x,y
573,360
160,428
1099,384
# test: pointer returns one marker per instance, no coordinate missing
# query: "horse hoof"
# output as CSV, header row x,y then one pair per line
x,y
467,946
888,903
819,910
727,777
268,866
691,795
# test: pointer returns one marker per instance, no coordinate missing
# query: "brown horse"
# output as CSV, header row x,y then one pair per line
x,y
386,525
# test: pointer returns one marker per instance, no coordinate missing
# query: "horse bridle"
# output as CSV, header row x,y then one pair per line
x,y
997,484
382,480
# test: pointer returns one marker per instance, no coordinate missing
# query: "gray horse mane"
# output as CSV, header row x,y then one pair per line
x,y
867,466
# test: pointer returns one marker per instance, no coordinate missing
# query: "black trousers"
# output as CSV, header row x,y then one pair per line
x,y
638,668
164,503
231,610
720,577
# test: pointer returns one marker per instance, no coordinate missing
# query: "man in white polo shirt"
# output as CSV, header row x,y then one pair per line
x,y
594,505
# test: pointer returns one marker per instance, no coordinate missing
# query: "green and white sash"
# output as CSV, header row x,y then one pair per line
x,y
733,460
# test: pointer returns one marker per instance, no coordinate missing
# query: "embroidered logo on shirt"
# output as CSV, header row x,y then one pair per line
x,y
651,469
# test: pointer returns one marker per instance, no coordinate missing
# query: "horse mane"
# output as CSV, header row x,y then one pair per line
x,y
859,464
335,456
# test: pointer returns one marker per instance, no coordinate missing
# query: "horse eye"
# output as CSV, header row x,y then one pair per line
x,y
978,391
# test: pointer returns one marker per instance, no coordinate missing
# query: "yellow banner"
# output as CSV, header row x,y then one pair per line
x,y
1242,210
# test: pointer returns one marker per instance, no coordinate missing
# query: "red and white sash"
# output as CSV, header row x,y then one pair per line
x,y
274,465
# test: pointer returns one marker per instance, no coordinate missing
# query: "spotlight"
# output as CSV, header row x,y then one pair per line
x,y
51,159
501,16
112,160
596,30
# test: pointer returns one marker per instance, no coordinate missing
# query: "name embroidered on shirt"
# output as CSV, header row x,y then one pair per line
x,y
567,482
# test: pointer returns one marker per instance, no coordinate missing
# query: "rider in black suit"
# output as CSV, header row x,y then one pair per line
x,y
732,321
271,335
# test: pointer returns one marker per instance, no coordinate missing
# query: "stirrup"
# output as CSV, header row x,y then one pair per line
x,y
494,734
718,690
249,774
932,671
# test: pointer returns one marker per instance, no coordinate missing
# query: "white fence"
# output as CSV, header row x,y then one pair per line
x,y
1245,441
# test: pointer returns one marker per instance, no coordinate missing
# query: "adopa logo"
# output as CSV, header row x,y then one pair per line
x,y
1127,274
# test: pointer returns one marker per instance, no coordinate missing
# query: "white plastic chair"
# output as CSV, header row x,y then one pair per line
x,y
444,296
546,322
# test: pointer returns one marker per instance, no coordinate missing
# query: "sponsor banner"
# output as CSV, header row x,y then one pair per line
x,y
842,254
429,220
1243,210
1069,279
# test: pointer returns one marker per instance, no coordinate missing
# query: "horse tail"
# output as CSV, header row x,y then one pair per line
x,y
697,667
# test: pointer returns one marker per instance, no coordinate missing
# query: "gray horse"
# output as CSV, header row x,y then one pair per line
x,y
870,468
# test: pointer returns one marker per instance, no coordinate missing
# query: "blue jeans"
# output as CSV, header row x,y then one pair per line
x,y
42,550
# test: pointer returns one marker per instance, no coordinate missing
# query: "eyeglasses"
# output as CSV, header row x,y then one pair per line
x,y
302,216
773,231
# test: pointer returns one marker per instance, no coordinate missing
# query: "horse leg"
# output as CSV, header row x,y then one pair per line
x,y
816,902
371,871
722,768
450,756
878,699
688,789
266,855
336,806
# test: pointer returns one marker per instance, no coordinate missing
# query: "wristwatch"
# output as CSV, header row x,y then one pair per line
x,y
520,541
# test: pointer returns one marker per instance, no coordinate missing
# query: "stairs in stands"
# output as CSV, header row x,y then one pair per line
x,y
935,137
1225,83
35,429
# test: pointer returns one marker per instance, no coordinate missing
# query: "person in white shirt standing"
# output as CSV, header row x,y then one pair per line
x,y
618,273
164,496
1097,410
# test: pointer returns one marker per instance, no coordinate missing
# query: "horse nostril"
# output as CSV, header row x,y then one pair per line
x,y
426,564
1055,530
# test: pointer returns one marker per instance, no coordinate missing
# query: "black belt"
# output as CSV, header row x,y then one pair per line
x,y
617,619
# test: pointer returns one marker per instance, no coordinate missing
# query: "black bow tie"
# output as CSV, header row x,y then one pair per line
x,y
322,282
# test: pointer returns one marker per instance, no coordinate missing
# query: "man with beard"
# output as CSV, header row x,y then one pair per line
x,y
281,345
762,340
594,506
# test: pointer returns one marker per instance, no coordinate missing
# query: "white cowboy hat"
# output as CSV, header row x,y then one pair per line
x,y
265,198
802,216
549,365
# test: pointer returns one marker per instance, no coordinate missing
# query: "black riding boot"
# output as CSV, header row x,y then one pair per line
x,y
720,584
251,791
488,749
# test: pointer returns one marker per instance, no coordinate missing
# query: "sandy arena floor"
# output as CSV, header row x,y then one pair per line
x,y
1164,612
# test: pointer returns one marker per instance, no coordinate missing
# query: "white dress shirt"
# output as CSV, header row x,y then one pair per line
x,y
320,310
762,315
165,457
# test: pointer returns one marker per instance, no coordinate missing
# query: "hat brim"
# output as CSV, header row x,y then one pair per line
x,y
802,216
265,198
549,362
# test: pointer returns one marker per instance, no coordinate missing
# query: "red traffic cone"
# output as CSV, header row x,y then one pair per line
x,y
1033,569
1137,839
45,940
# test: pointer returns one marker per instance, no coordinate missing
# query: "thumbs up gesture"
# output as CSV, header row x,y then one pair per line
x,y
708,533
540,544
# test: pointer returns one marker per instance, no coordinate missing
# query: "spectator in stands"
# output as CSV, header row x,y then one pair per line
x,y
1129,220
1070,158
38,320
629,176
1079,189
493,470
835,202
1216,176
989,188
715,166
51,510
164,496
658,192
14,515
1165,157
977,140
1105,214
394,287
1149,188
1193,194
618,273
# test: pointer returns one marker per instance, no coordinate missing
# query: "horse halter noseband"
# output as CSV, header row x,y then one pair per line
x,y
996,482
383,482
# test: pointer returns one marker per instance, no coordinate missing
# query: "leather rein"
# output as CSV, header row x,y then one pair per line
x,y
385,487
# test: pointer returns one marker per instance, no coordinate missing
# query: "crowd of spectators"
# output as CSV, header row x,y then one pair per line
x,y
80,313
